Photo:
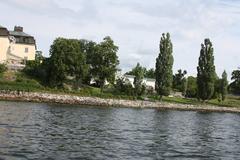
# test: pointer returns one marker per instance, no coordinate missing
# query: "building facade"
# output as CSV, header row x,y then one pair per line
x,y
16,46
150,83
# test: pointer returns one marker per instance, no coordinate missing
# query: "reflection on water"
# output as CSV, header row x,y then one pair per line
x,y
41,131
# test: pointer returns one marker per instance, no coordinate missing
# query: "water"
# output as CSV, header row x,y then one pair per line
x,y
42,131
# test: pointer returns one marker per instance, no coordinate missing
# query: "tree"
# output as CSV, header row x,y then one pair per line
x,y
164,64
39,57
191,91
136,69
79,64
67,58
224,86
104,66
150,73
206,71
3,68
138,79
184,86
147,73
235,85
123,85
179,79
58,67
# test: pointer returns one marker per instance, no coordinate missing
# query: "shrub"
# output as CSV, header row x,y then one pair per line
x,y
3,68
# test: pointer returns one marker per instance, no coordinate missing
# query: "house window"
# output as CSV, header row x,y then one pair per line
x,y
26,50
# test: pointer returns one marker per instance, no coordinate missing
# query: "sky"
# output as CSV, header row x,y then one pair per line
x,y
136,27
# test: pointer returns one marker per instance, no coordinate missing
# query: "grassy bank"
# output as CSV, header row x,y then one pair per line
x,y
17,81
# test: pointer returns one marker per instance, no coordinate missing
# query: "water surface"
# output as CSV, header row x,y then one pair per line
x,y
43,131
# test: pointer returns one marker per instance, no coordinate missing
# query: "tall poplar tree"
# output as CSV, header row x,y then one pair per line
x,y
224,86
164,64
206,71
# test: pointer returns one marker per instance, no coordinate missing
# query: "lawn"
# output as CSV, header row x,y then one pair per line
x,y
14,81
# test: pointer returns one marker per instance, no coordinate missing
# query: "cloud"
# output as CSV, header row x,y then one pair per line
x,y
135,26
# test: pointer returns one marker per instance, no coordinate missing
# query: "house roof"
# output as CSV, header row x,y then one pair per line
x,y
20,34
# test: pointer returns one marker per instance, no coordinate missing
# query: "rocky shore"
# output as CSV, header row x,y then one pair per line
x,y
93,101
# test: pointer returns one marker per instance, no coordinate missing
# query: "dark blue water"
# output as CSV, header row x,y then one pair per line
x,y
41,131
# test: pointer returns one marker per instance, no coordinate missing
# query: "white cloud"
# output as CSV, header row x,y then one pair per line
x,y
136,26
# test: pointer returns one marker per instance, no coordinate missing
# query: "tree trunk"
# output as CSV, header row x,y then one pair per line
x,y
160,98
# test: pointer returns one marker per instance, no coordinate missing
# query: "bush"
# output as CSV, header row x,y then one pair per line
x,y
124,86
191,91
3,68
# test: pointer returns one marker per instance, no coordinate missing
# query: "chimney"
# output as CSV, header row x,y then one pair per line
x,y
18,29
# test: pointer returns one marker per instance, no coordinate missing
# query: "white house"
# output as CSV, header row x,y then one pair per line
x,y
147,81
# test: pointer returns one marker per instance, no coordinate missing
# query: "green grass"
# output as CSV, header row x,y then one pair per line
x,y
229,102
180,100
14,81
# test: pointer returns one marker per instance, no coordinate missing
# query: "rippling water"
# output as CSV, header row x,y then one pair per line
x,y
42,131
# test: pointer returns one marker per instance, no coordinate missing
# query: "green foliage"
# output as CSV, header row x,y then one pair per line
x,y
147,73
124,86
150,73
39,57
179,80
184,86
37,69
136,69
21,83
104,62
235,85
67,58
224,86
164,64
191,91
206,71
58,66
230,101
139,88
3,68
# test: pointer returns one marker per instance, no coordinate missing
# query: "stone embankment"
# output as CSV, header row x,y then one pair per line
x,y
93,101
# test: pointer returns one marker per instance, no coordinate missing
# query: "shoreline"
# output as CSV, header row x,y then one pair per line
x,y
94,101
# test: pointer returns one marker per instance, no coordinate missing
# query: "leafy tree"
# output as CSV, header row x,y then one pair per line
x,y
58,67
78,63
123,85
90,49
179,79
147,73
138,79
191,91
39,57
67,58
38,69
105,62
150,73
3,68
164,64
206,71
184,86
235,85
136,69
224,86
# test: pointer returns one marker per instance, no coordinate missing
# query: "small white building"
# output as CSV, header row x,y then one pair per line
x,y
147,81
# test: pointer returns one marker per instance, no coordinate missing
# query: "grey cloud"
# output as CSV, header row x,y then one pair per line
x,y
135,26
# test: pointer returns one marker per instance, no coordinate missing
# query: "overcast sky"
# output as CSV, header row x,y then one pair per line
x,y
135,26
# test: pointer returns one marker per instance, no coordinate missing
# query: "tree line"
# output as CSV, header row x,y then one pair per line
x,y
207,85
78,62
